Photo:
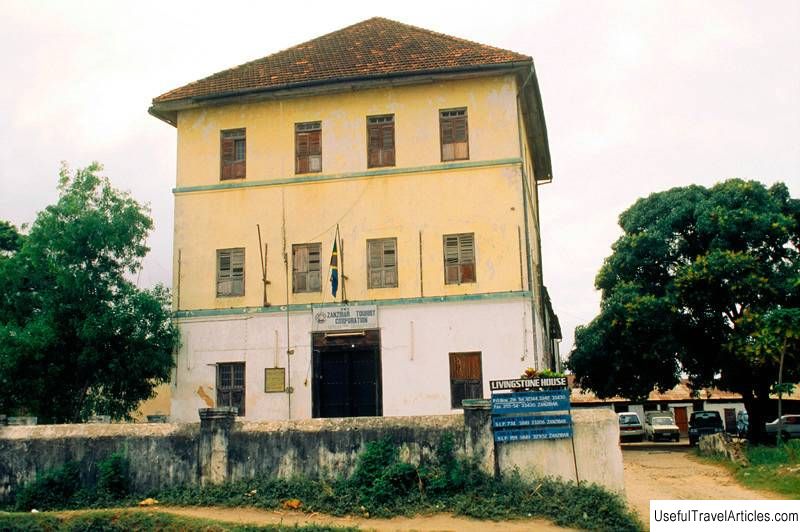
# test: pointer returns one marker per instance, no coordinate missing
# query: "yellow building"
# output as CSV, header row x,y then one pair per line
x,y
416,154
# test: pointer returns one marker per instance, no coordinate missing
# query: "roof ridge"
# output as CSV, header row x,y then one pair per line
x,y
440,34
371,47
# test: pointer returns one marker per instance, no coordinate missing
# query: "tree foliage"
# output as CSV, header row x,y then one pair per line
x,y
694,285
10,238
76,336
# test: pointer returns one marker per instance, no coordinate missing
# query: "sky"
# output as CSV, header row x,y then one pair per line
x,y
638,96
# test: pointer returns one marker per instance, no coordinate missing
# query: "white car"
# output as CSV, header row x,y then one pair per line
x,y
630,426
790,428
662,428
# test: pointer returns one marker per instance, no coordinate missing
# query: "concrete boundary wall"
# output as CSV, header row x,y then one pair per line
x,y
219,449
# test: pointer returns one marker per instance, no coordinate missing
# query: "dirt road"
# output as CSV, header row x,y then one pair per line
x,y
673,472
439,522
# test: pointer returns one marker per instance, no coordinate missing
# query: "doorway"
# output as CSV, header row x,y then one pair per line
x,y
681,420
347,374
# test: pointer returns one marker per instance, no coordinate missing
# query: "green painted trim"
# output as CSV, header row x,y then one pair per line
x,y
234,311
351,175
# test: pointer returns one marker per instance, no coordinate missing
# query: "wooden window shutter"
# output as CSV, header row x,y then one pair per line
x,y
388,145
373,145
308,147
375,254
451,259
230,272
454,134
380,141
233,152
466,377
302,153
382,263
314,143
306,266
465,366
466,260
227,148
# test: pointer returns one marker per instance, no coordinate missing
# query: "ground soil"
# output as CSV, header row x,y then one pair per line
x,y
427,523
664,471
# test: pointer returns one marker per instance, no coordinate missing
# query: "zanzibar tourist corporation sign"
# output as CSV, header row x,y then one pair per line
x,y
345,318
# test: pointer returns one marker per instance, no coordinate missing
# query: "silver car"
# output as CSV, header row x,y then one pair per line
x,y
790,428
630,426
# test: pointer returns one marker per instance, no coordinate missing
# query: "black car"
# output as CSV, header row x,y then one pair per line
x,y
703,423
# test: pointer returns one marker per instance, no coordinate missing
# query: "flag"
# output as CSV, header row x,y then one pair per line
x,y
334,269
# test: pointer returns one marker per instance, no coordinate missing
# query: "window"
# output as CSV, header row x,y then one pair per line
x,y
230,385
454,136
230,272
306,268
380,141
382,263
466,378
459,258
233,151
308,147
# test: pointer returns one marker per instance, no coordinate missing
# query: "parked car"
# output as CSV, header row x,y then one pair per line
x,y
790,428
630,426
703,423
661,428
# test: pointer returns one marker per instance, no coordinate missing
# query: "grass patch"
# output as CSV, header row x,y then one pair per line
x,y
772,468
122,520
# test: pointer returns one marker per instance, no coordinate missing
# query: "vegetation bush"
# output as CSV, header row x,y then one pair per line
x,y
114,481
123,521
62,487
52,489
771,467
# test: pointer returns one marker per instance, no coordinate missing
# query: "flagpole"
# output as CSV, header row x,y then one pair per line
x,y
341,267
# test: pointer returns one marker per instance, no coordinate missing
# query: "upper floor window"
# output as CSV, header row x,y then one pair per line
x,y
382,263
459,258
308,147
233,152
380,141
230,385
230,272
454,135
306,268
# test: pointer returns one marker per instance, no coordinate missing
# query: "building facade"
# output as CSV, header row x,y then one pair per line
x,y
419,156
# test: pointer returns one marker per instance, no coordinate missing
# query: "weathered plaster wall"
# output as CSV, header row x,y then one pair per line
x,y
597,454
330,447
165,454
220,449
490,102
415,342
159,454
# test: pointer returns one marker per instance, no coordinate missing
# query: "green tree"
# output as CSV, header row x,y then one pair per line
x,y
10,239
76,336
689,288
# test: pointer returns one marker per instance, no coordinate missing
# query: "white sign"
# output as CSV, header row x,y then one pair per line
x,y
345,318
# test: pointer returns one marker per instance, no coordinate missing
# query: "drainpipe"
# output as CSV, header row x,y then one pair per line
x,y
525,216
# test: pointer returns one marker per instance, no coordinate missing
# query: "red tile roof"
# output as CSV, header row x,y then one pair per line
x,y
376,47
682,392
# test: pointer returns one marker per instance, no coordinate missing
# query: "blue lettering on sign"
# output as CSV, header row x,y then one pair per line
x,y
530,421
550,433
